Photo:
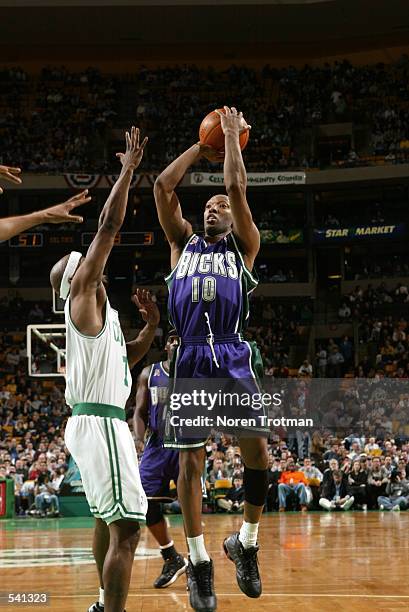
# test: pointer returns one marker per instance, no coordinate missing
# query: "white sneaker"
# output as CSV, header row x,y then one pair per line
x,y
348,503
381,507
396,508
364,507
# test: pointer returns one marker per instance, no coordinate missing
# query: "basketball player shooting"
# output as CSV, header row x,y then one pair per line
x,y
98,384
208,303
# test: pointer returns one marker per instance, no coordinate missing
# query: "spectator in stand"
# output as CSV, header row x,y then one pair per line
x,y
276,467
334,495
377,481
219,471
344,311
372,448
305,369
357,481
292,481
234,499
335,362
314,479
397,493
346,350
46,496
321,360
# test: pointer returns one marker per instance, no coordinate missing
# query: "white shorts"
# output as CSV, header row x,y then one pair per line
x,y
104,451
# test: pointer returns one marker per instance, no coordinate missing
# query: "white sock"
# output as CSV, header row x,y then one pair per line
x,y
166,545
248,534
197,549
101,596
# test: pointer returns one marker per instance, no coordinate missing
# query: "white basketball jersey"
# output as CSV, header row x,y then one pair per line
x,y
97,369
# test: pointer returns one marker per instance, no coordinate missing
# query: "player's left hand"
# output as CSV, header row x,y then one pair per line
x,y
232,120
210,154
8,173
147,307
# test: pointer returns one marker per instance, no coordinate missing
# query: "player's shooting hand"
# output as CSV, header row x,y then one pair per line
x,y
8,173
134,150
147,307
232,120
210,154
61,213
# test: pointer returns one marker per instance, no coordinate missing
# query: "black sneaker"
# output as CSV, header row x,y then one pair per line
x,y
200,586
247,574
171,570
96,607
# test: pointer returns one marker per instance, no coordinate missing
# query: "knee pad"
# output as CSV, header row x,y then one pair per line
x,y
154,514
255,486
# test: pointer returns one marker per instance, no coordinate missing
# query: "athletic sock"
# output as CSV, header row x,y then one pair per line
x,y
101,596
248,534
168,551
197,549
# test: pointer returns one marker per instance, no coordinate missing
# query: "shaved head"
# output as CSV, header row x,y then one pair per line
x,y
57,273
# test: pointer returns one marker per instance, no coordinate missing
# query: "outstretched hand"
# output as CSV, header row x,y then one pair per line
x,y
232,120
147,307
134,151
61,212
8,173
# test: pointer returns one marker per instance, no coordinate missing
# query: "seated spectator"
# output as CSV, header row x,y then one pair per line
x,y
314,478
234,499
357,480
334,494
46,497
276,467
305,369
292,481
219,471
377,481
397,493
372,448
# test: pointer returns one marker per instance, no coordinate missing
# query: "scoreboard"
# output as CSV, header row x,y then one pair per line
x,y
75,239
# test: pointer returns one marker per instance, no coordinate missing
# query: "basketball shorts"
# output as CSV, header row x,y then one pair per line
x,y
104,451
236,359
158,467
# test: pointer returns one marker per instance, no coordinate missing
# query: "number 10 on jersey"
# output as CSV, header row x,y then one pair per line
x,y
207,290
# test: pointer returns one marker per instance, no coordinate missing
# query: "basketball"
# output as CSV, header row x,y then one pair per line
x,y
211,133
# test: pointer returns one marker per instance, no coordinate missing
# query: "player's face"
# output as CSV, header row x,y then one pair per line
x,y
171,346
217,215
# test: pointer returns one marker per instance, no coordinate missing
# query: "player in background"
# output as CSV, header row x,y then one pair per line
x,y
208,305
158,465
98,383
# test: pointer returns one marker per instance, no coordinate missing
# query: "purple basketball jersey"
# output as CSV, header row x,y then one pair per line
x,y
209,288
158,387
158,465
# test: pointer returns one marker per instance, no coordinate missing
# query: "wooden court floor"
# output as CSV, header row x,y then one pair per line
x,y
314,562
